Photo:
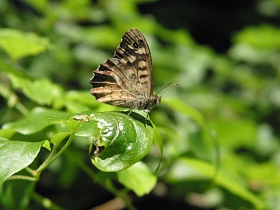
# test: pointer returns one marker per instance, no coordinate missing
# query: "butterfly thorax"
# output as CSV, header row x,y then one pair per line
x,y
146,104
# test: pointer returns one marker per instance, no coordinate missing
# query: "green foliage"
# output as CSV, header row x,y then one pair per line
x,y
216,134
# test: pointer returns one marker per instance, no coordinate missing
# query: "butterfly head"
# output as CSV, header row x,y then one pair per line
x,y
156,100
151,103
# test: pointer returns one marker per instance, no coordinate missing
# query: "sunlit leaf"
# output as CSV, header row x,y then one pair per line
x,y
122,141
264,36
42,91
16,155
138,178
118,140
35,121
18,44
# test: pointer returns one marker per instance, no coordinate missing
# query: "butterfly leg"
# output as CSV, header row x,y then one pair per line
x,y
130,110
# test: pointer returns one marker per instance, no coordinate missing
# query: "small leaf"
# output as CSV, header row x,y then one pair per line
x,y
47,145
16,155
41,91
138,178
18,44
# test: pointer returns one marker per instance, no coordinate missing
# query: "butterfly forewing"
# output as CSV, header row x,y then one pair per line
x,y
135,53
126,79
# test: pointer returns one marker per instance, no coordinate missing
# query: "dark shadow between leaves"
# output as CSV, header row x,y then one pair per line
x,y
145,120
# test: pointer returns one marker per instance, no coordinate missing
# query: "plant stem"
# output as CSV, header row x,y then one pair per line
x,y
52,158
121,194
45,202
13,100
22,177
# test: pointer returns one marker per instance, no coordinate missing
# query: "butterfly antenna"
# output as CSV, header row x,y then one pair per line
x,y
167,86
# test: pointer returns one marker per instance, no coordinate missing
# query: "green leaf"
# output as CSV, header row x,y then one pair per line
x,y
121,142
158,139
226,132
200,145
36,120
41,91
83,124
138,178
16,155
47,145
264,36
186,110
18,44
9,68
158,142
186,168
16,190
7,133
59,137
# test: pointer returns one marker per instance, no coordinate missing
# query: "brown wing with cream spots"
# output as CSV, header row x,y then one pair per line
x,y
135,53
126,79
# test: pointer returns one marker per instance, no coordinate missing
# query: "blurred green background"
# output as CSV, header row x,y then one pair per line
x,y
220,126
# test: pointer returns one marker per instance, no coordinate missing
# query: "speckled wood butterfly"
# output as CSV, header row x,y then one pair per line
x,y
126,79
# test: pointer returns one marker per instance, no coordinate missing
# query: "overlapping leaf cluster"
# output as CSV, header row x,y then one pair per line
x,y
219,126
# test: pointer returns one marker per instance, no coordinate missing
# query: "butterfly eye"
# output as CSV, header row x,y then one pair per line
x,y
135,45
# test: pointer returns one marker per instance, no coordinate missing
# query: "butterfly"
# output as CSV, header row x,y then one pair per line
x,y
126,79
